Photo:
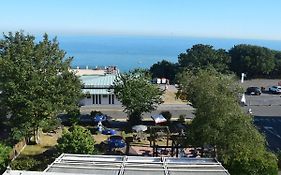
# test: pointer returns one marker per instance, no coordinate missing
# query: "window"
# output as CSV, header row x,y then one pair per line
x,y
109,99
99,99
94,99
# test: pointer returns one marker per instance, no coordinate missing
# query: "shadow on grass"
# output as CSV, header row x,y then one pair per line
x,y
36,162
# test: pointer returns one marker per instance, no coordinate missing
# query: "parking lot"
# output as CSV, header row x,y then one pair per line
x,y
270,127
266,109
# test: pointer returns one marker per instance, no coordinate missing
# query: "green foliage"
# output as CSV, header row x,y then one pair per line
x,y
167,115
35,81
221,123
252,60
74,116
164,69
94,113
4,156
204,56
50,124
137,94
77,141
181,118
25,163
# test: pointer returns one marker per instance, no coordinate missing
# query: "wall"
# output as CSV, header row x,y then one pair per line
x,y
104,99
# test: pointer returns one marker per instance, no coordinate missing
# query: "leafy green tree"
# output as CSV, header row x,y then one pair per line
x,y
4,156
204,56
277,69
221,123
35,81
77,141
137,94
255,61
164,69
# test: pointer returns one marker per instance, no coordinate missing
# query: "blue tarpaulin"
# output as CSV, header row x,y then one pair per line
x,y
109,132
116,142
100,118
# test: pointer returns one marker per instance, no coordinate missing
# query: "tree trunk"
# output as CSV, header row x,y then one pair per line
x,y
36,135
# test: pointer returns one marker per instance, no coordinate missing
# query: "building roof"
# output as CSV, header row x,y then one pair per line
x,y
97,81
128,165
81,72
97,91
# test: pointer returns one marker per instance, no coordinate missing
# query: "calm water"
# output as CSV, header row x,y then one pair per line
x,y
131,52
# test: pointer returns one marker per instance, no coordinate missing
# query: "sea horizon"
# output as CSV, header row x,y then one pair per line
x,y
129,52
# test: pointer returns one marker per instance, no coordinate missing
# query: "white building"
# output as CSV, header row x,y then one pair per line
x,y
98,90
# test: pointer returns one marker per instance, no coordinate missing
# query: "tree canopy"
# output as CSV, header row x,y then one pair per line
x,y
255,61
164,69
220,122
137,94
35,81
203,56
76,140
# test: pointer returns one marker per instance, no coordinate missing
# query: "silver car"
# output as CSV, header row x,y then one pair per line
x,y
275,89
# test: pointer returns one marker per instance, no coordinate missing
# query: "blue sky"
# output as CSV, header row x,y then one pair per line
x,y
247,19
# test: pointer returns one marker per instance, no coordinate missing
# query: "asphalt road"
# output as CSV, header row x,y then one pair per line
x,y
264,105
116,111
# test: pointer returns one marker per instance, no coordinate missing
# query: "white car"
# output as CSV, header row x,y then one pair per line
x,y
275,89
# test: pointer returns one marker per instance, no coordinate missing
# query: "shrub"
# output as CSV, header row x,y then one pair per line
x,y
4,156
94,113
74,116
77,140
167,115
181,118
25,163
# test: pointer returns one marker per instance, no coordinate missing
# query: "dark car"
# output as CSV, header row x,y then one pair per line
x,y
253,91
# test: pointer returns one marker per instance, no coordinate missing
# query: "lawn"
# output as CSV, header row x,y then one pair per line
x,y
47,141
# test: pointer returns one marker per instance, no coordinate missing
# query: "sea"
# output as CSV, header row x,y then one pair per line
x,y
129,52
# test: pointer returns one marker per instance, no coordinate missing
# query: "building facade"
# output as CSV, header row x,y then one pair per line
x,y
98,90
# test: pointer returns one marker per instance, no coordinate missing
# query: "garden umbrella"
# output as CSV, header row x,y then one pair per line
x,y
158,118
109,132
139,128
116,142
100,118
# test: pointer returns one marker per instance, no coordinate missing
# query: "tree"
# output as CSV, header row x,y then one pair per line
x,y
221,123
164,69
137,94
167,115
4,156
255,61
204,56
35,81
77,141
277,69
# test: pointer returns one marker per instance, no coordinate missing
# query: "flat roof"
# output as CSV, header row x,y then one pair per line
x,y
128,165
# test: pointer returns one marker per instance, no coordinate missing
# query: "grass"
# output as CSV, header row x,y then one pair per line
x,y
170,98
100,138
39,156
46,142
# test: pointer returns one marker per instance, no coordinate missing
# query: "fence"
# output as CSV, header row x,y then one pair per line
x,y
17,149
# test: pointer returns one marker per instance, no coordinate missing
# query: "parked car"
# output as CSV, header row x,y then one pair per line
x,y
275,89
253,91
